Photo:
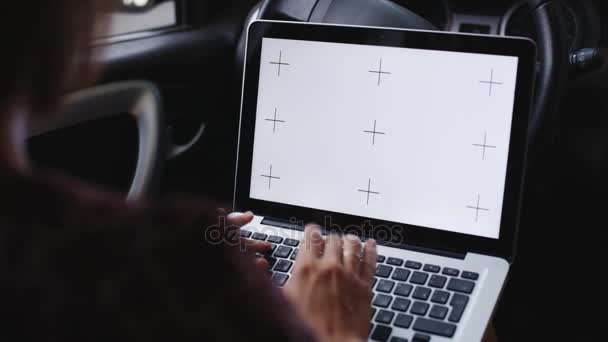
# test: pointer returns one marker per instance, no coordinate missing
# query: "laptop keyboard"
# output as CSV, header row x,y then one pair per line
x,y
428,299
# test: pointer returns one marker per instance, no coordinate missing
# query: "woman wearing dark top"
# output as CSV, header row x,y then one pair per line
x,y
76,262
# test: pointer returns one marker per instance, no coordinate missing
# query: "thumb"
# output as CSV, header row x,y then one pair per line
x,y
239,219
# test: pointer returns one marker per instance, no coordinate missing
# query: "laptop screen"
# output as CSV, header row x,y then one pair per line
x,y
419,137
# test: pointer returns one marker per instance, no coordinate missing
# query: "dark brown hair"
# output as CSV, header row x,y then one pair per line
x,y
46,50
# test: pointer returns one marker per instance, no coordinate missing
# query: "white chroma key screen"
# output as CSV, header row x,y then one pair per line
x,y
412,136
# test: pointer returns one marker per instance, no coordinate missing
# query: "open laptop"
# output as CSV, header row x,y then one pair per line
x,y
414,138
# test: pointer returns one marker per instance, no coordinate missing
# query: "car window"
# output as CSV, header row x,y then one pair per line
x,y
133,16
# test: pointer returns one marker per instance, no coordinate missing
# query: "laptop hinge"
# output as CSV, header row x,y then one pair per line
x,y
426,250
284,224
300,227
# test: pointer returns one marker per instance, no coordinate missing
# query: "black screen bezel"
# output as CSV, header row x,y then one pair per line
x,y
523,49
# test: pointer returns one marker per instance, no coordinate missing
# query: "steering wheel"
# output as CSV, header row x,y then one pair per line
x,y
552,45
142,101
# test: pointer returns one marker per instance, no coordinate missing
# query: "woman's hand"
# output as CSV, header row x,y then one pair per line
x,y
331,285
250,247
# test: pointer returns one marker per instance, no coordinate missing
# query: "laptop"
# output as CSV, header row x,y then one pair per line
x,y
414,138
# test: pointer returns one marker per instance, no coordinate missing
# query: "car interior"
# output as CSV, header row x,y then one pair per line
x,y
182,61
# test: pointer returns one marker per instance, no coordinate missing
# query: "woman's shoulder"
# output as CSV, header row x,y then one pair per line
x,y
76,248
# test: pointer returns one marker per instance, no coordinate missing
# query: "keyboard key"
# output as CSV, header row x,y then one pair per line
x,y
403,289
413,264
381,333
374,282
437,281
394,261
397,339
383,271
385,317
401,304
385,286
421,338
373,312
440,297
283,252
273,248
380,258
438,311
451,272
419,278
419,308
459,285
458,304
279,279
470,275
422,293
271,261
404,321
294,254
382,301
259,236
431,268
283,265
401,274
434,327
275,239
245,233
291,242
